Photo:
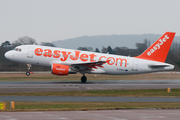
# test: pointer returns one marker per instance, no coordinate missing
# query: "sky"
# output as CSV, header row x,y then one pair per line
x,y
51,20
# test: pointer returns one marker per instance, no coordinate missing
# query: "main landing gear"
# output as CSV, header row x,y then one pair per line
x,y
28,69
83,79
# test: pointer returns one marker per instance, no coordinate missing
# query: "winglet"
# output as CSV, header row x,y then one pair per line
x,y
158,51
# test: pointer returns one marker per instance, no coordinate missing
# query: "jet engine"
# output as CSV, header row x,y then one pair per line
x,y
59,69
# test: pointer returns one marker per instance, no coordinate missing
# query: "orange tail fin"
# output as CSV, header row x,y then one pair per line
x,y
158,51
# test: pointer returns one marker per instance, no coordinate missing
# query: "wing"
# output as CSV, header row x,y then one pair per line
x,y
91,66
86,67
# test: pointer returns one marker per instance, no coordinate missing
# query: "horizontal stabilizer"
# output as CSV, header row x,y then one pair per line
x,y
158,66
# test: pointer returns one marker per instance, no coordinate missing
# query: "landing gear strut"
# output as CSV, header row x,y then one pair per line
x,y
28,69
83,79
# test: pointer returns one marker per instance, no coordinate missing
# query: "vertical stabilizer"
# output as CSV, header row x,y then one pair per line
x,y
158,51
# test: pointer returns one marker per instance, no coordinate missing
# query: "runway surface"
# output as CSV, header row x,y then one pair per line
x,y
94,115
38,86
89,99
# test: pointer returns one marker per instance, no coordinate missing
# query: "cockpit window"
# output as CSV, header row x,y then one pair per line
x,y
17,49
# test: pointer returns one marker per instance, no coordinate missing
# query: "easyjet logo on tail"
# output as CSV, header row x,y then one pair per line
x,y
158,45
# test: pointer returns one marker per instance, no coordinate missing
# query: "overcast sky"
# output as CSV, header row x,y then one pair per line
x,y
50,20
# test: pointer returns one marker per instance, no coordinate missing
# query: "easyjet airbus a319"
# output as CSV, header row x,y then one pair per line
x,y
67,61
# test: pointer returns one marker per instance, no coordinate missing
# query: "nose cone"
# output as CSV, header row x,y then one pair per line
x,y
7,55
11,55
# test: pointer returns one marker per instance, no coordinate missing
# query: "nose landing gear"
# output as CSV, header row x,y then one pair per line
x,y
28,73
28,69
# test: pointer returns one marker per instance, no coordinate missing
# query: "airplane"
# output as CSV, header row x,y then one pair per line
x,y
68,61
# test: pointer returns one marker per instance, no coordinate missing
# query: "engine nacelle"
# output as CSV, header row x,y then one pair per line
x,y
59,69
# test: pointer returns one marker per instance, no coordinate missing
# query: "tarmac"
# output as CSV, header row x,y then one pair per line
x,y
43,86
142,114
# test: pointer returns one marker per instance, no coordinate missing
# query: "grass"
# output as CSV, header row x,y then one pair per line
x,y
113,93
82,106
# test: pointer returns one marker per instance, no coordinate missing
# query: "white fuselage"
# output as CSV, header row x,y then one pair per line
x,y
115,64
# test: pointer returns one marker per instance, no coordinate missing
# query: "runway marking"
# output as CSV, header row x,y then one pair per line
x,y
8,117
81,111
161,117
5,116
89,88
63,118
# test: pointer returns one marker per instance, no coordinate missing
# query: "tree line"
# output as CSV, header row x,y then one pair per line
x,y
7,65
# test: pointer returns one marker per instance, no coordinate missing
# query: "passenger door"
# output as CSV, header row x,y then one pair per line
x,y
135,65
30,52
